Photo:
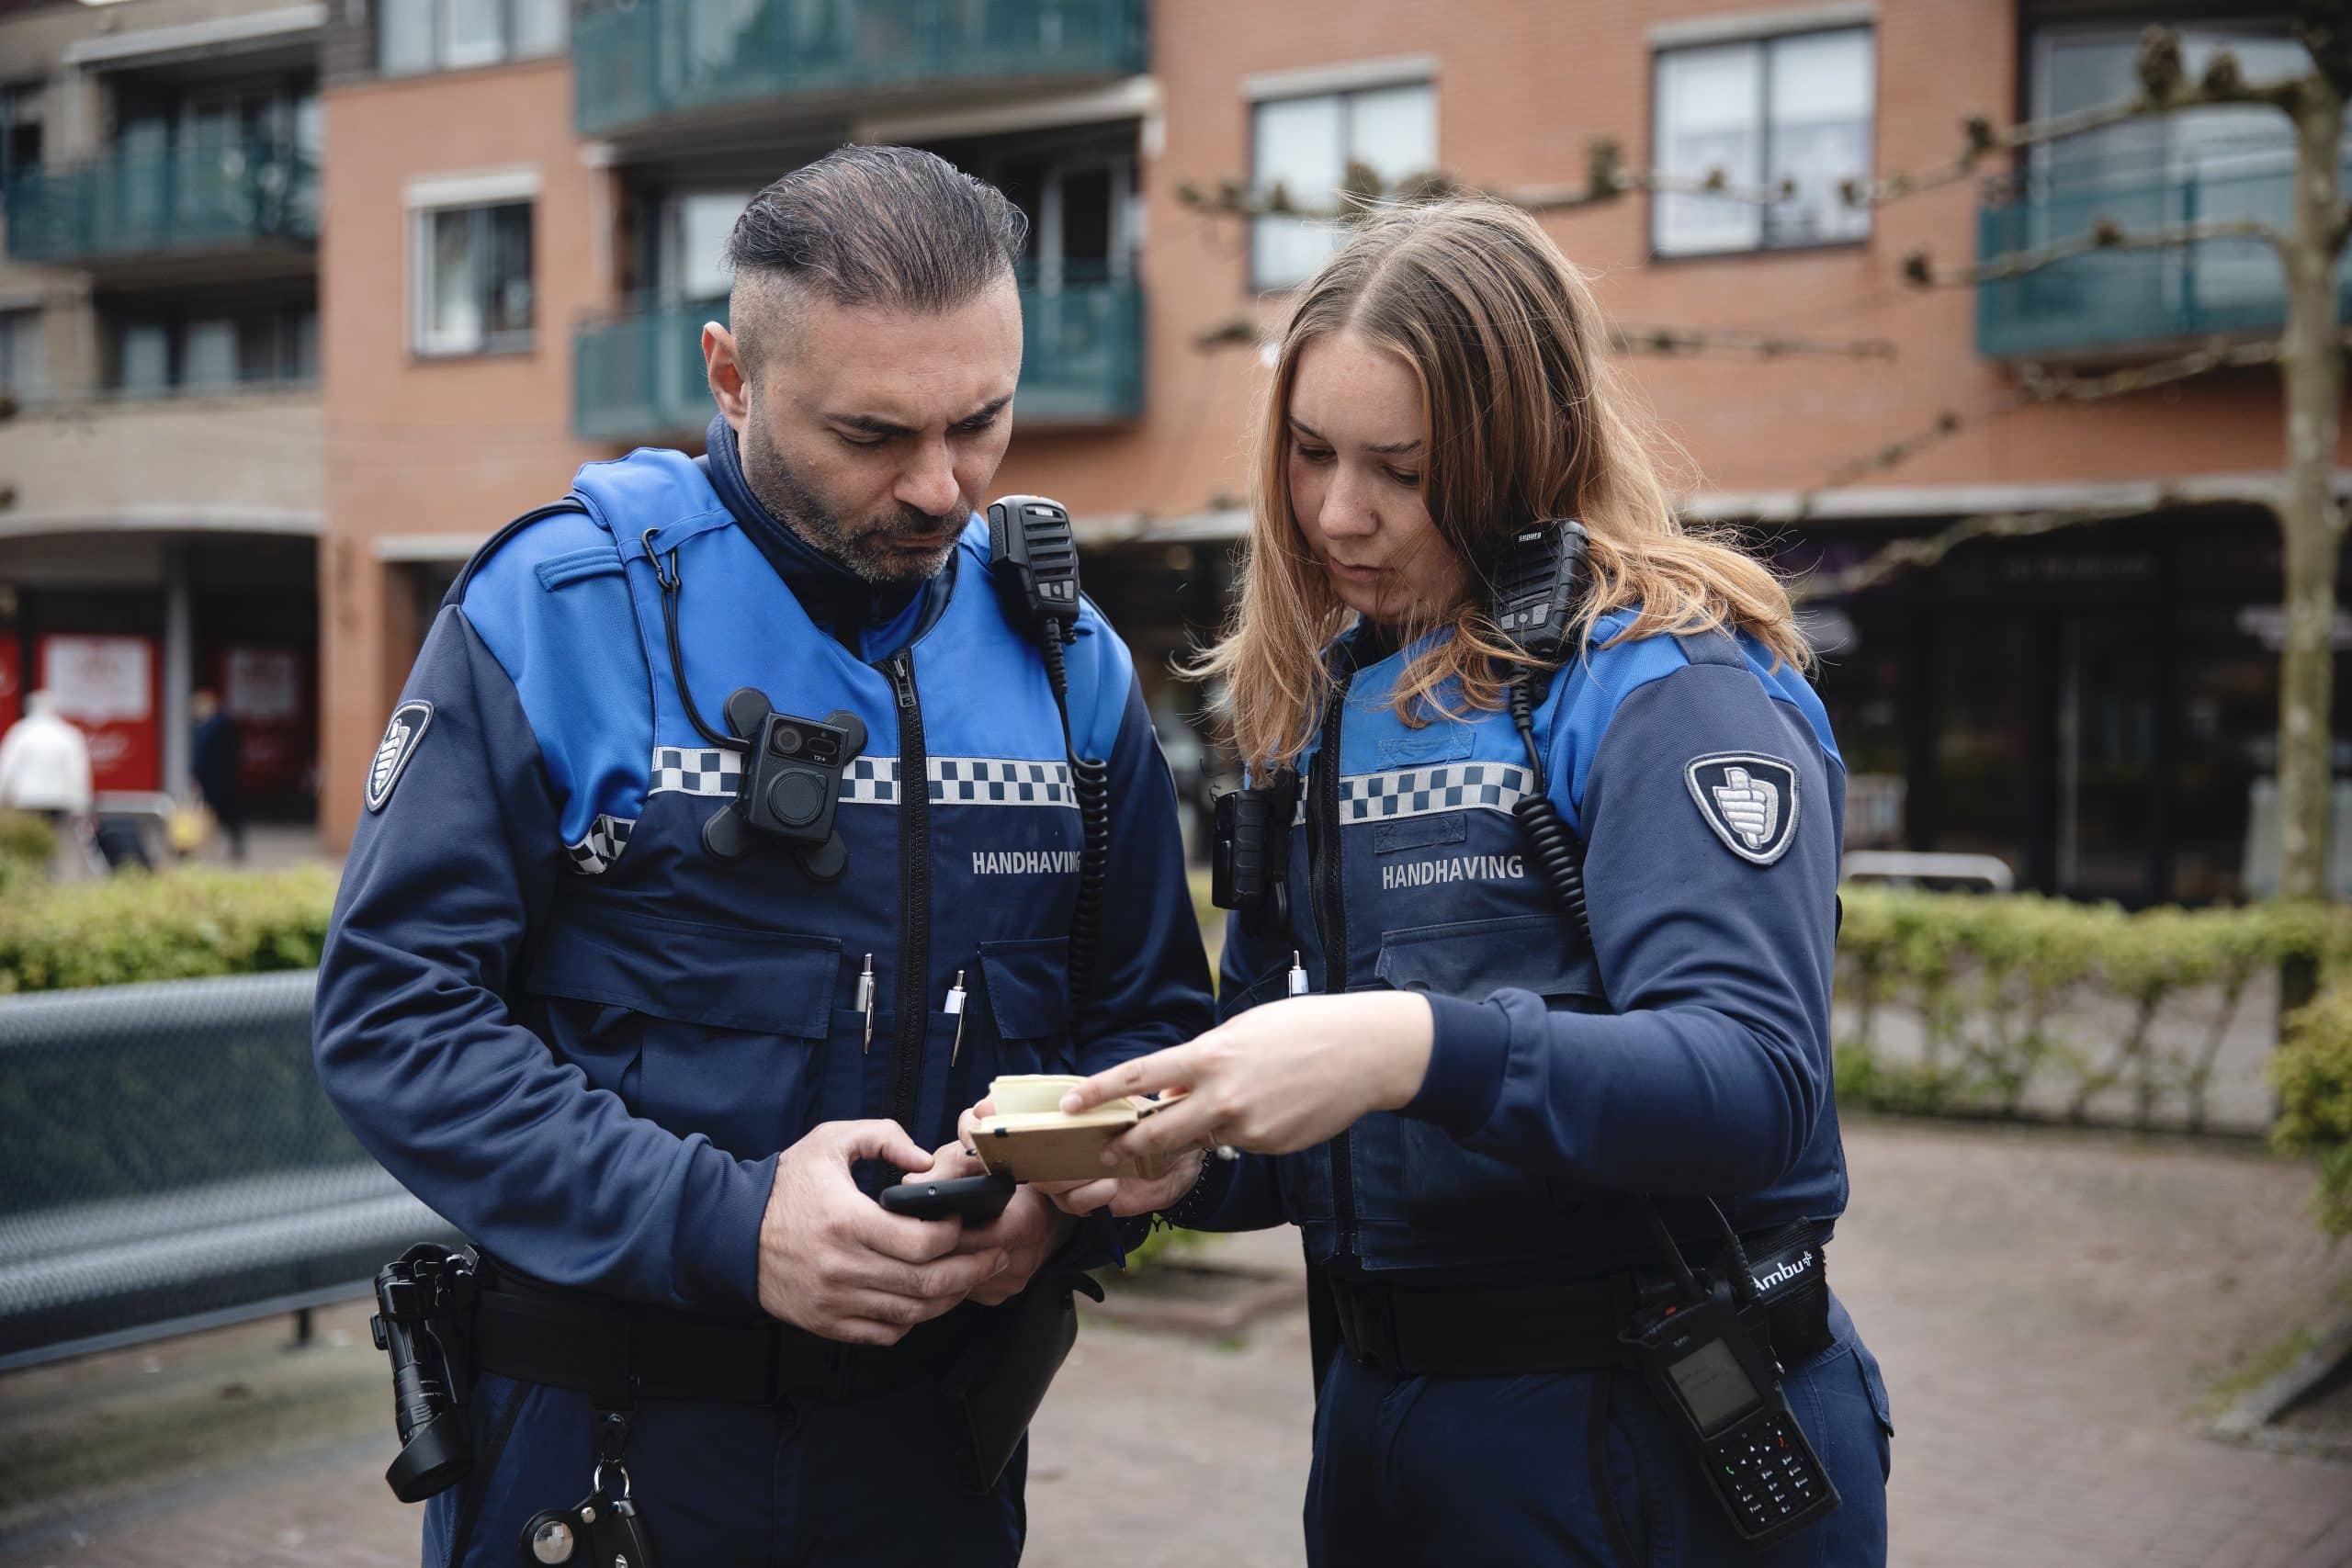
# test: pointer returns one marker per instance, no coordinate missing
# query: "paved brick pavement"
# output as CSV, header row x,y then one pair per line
x,y
2049,1307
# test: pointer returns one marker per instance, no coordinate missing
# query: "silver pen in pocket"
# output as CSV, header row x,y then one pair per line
x,y
866,1000
1295,983
956,1006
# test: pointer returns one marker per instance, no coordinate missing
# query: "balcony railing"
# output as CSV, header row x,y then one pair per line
x,y
644,62
2115,303
141,204
640,376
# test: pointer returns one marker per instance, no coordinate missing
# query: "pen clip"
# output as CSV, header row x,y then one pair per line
x,y
955,1007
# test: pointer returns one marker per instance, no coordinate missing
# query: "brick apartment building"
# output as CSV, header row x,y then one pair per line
x,y
159,328
521,204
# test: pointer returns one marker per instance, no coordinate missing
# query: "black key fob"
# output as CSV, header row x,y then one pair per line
x,y
602,1533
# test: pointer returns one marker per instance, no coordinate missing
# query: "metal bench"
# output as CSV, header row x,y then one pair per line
x,y
1920,867
168,1162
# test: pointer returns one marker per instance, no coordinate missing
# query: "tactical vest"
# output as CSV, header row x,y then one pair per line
x,y
720,998
1406,871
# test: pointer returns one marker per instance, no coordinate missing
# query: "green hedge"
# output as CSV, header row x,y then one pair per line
x,y
27,842
1989,979
185,924
2312,1071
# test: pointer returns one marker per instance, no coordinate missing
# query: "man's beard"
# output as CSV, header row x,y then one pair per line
x,y
864,548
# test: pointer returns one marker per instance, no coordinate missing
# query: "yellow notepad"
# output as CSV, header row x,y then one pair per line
x,y
1032,1139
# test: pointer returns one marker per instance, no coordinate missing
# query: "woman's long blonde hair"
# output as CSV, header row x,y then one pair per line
x,y
1525,421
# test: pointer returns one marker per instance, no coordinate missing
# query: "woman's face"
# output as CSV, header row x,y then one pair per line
x,y
1355,453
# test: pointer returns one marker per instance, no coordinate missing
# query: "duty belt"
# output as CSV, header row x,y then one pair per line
x,y
619,1352
1423,1329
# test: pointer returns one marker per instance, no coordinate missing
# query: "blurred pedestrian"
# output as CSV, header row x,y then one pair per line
x,y
216,756
45,764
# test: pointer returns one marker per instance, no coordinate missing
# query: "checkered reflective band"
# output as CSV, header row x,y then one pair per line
x,y
963,780
608,837
874,780
1424,792
679,770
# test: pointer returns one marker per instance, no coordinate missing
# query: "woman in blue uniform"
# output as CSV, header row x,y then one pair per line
x,y
1514,1133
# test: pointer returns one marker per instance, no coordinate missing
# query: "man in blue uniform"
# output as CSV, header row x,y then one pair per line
x,y
655,1067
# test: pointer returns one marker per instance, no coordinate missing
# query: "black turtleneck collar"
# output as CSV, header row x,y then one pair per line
x,y
1369,643
835,597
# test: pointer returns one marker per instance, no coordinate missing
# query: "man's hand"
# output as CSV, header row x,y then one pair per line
x,y
835,1263
1030,1230
1131,1197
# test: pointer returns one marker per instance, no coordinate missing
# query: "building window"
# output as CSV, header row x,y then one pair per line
x,y
21,360
160,356
473,280
1306,145
693,230
20,127
417,36
1764,111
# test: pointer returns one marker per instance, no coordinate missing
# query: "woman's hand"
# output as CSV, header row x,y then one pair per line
x,y
1078,1199
1281,1078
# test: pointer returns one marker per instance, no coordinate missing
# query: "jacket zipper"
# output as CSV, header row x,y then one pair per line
x,y
1331,873
914,882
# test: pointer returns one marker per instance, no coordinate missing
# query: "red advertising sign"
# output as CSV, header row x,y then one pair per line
x,y
262,691
107,686
12,684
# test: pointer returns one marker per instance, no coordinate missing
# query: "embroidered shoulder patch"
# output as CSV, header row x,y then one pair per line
x,y
402,737
1749,800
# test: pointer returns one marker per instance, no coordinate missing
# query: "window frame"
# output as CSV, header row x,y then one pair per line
x,y
488,344
1763,43
24,325
178,330
1345,98
15,94
437,49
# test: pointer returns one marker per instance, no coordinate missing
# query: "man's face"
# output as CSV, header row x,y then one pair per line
x,y
874,432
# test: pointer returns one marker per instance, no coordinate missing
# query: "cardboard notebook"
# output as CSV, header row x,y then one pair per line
x,y
1032,1139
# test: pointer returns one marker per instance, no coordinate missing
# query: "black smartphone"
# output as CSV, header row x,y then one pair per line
x,y
975,1200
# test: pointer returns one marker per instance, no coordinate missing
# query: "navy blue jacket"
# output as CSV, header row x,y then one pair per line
x,y
573,1033
1683,1051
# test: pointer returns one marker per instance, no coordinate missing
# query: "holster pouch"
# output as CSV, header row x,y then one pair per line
x,y
997,1384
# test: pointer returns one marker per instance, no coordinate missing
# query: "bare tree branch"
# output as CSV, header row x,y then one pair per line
x,y
1627,337
2163,90
1362,192
1233,332
2035,388
1242,332
1899,556
2105,234
1892,455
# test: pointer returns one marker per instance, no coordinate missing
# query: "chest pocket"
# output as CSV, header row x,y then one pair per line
x,y
1028,986
1472,960
704,1029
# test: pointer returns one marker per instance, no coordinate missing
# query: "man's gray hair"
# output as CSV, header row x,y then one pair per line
x,y
893,226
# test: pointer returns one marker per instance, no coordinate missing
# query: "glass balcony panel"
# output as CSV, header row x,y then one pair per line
x,y
203,197
657,58
638,377
2119,302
